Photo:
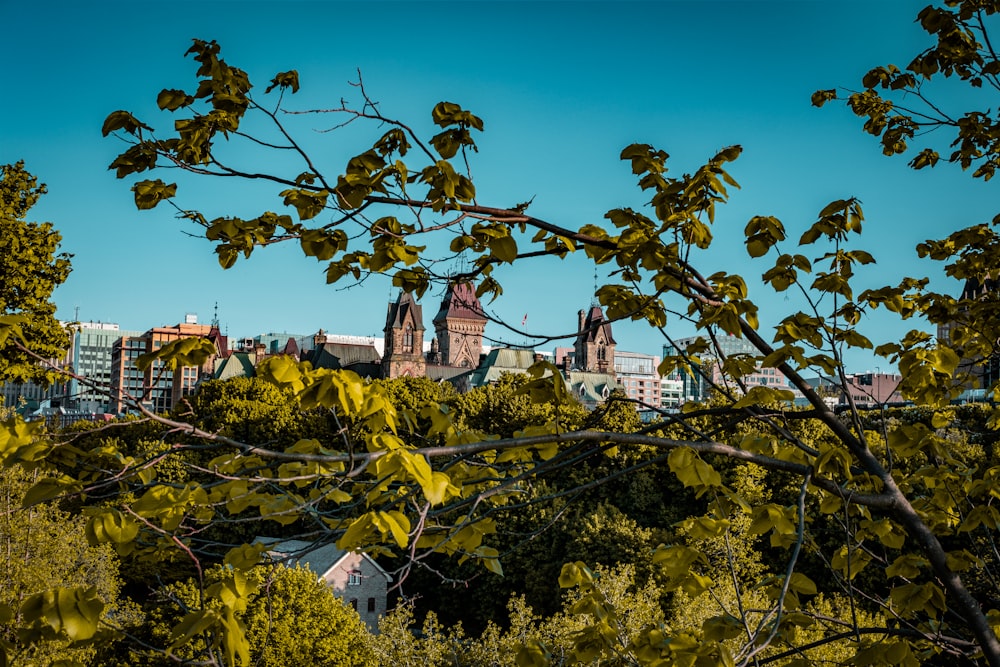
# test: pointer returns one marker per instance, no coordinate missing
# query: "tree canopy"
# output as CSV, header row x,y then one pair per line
x,y
45,548
871,538
30,268
289,617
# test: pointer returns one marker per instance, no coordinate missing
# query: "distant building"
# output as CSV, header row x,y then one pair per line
x,y
502,360
275,343
563,357
236,365
404,339
159,388
866,390
459,326
981,373
451,355
870,390
698,381
591,388
594,350
89,357
354,577
341,353
671,392
21,395
636,373
588,368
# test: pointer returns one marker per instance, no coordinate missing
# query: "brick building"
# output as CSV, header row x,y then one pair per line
x,y
159,388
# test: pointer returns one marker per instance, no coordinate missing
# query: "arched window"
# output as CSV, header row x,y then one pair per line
x,y
408,339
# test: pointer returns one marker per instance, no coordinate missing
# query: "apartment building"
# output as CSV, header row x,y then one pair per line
x,y
159,388
699,381
636,373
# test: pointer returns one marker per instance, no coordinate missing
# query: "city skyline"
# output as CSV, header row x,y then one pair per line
x,y
586,80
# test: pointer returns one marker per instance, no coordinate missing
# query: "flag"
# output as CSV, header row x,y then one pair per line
x,y
524,320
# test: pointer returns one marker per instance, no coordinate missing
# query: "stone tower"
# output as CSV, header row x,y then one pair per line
x,y
459,327
594,347
404,339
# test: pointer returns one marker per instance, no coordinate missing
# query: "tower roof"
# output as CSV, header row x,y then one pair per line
x,y
460,301
975,289
596,322
405,305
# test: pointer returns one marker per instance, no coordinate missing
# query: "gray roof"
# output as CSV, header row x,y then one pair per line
x,y
502,360
238,364
318,558
397,312
362,359
591,387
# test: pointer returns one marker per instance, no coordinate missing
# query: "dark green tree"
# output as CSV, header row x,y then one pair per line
x,y
31,266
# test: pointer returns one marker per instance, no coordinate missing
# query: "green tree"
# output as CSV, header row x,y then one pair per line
x,y
372,488
30,268
504,408
248,410
441,645
289,617
43,547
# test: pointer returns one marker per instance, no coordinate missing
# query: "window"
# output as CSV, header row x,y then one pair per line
x,y
371,605
354,604
408,339
354,578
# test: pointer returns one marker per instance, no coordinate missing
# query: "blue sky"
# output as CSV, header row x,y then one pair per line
x,y
562,87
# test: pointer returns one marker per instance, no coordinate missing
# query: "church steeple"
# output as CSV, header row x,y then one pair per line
x,y
459,326
595,346
404,339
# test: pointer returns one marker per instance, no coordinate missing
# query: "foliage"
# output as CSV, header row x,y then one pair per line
x,y
45,549
900,104
288,615
30,268
437,644
409,393
502,409
248,410
869,529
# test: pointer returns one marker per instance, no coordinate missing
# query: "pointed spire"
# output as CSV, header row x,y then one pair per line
x,y
594,301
